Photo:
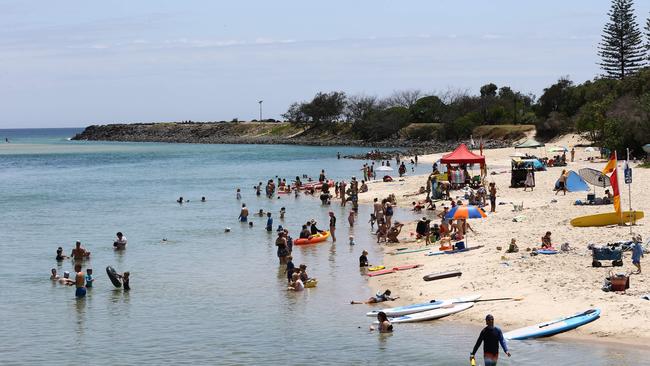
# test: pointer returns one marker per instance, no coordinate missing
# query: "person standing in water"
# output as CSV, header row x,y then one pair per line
x,y
243,214
491,337
79,252
120,243
80,282
332,225
269,222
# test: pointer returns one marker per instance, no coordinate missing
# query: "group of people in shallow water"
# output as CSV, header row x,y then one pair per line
x,y
84,281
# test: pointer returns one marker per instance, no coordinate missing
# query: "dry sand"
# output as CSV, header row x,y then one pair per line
x,y
551,285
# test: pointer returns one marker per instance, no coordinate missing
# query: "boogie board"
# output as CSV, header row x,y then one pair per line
x,y
113,276
417,308
441,275
608,218
547,251
381,272
375,268
554,327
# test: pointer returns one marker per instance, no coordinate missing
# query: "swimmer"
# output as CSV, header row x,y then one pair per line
x,y
79,252
260,213
250,224
54,276
227,230
120,243
282,212
243,214
179,200
59,254
202,199
238,195
269,222
89,277
296,284
352,240
384,325
80,281
65,280
125,280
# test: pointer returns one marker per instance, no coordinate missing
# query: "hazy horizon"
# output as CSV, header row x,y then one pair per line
x,y
76,63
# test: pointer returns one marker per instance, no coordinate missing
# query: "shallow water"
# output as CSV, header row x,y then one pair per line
x,y
203,296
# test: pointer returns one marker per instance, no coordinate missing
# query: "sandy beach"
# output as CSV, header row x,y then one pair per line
x,y
551,286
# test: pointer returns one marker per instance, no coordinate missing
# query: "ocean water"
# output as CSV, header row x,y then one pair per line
x,y
203,296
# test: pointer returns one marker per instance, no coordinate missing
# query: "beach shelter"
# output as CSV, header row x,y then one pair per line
x,y
574,183
529,144
462,155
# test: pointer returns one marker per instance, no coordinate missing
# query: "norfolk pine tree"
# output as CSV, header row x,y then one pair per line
x,y
621,47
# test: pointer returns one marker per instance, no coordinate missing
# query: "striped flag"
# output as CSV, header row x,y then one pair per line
x,y
613,179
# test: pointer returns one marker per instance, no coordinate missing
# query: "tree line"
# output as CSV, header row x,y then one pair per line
x,y
613,110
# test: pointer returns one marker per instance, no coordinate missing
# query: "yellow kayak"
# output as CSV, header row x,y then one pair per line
x,y
376,268
608,218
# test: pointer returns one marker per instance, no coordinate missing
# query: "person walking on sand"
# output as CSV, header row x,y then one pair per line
x,y
491,337
561,183
637,253
493,197
573,153
332,225
530,180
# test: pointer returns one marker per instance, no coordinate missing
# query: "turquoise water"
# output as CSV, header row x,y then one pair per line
x,y
203,296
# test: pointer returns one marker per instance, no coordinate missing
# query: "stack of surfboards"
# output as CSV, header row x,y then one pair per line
x,y
428,310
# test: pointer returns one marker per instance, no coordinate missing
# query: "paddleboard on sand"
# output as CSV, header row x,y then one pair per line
x,y
112,275
608,218
432,314
441,275
381,272
425,306
554,327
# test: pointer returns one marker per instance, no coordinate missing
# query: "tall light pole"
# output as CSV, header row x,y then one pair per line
x,y
260,102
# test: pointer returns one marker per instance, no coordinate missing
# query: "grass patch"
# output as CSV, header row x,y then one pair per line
x,y
509,132
420,131
283,129
644,165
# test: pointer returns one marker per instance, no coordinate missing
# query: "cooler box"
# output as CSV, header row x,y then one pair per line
x,y
591,197
620,283
459,245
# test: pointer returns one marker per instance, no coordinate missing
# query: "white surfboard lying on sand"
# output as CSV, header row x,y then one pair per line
x,y
425,306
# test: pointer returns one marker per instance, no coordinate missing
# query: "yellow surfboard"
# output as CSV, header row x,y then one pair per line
x,y
609,218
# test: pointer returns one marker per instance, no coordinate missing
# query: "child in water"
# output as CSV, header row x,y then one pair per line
x,y
352,240
351,218
89,277
238,193
269,222
282,212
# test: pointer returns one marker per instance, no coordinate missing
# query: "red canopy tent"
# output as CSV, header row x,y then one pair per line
x,y
462,155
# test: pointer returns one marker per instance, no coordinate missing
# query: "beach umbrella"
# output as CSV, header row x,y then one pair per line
x,y
384,168
465,212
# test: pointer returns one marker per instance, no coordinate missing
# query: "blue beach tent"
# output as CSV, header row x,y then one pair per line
x,y
574,183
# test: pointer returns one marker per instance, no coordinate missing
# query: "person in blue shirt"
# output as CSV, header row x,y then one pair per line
x,y
490,336
269,222
89,277
637,253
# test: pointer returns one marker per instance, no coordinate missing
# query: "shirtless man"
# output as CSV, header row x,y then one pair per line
x,y
79,252
80,281
65,280
243,214
120,243
54,276
378,209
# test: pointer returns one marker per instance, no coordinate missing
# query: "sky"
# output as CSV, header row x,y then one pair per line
x,y
75,63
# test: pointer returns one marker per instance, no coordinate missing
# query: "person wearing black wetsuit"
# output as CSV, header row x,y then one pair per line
x,y
490,336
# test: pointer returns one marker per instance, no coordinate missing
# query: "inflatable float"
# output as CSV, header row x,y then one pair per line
x,y
317,238
311,283
113,276
608,218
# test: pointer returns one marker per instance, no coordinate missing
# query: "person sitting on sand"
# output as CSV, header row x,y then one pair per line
x,y
434,233
364,187
363,259
120,243
393,232
417,207
430,205
512,248
296,284
546,241
379,297
79,252
421,228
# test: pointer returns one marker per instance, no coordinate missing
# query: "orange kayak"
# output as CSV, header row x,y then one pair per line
x,y
313,239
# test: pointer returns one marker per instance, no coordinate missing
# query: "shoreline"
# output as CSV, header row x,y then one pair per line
x,y
551,286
